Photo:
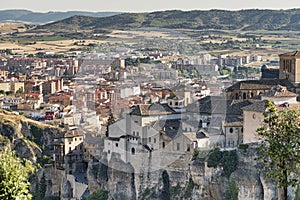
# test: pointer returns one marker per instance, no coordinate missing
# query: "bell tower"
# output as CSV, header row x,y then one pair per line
x,y
290,66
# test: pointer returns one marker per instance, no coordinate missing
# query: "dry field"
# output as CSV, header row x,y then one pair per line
x,y
11,27
52,46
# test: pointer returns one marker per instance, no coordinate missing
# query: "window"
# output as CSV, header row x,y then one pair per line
x,y
176,103
137,134
231,130
117,144
132,151
108,151
178,146
154,140
133,133
75,139
188,147
170,103
163,144
149,139
70,149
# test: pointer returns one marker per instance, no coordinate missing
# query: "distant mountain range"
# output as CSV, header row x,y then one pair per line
x,y
42,18
253,19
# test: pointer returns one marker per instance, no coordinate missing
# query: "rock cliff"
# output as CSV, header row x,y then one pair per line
x,y
26,136
235,176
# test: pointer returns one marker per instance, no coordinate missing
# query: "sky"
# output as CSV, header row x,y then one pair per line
x,y
143,5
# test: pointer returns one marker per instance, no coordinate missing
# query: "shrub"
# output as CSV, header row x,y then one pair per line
x,y
99,195
243,147
226,159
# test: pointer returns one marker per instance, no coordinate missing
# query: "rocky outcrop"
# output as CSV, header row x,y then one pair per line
x,y
26,136
188,179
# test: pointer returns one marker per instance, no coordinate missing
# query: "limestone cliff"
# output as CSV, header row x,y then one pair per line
x,y
187,178
26,136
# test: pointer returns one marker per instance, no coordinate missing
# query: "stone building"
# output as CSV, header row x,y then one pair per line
x,y
290,66
68,151
253,114
148,128
252,88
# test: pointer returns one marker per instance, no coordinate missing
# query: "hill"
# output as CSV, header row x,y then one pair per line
x,y
42,18
253,19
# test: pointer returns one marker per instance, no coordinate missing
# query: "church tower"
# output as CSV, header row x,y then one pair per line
x,y
290,66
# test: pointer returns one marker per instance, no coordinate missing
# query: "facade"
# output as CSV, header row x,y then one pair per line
x,y
5,86
290,66
251,88
148,128
68,151
253,114
17,86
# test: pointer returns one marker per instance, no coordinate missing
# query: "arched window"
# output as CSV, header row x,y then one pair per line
x,y
231,130
132,151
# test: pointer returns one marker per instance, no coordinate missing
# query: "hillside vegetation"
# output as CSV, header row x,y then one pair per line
x,y
175,19
39,17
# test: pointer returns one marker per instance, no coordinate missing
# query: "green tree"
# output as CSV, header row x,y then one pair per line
x,y
110,121
233,192
99,195
9,93
165,193
280,146
20,91
13,177
41,188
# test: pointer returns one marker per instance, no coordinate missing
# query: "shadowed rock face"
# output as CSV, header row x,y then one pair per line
x,y
67,190
188,180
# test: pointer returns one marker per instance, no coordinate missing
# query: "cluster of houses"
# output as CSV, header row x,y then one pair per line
x,y
156,113
175,123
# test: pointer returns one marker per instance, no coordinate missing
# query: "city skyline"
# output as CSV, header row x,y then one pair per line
x,y
145,6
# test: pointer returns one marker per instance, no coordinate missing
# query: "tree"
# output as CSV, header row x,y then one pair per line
x,y
165,193
41,188
280,146
20,91
99,195
9,93
13,176
110,121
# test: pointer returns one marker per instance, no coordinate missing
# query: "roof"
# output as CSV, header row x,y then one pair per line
x,y
259,106
219,105
171,127
293,53
152,109
234,124
201,134
278,92
73,133
263,84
